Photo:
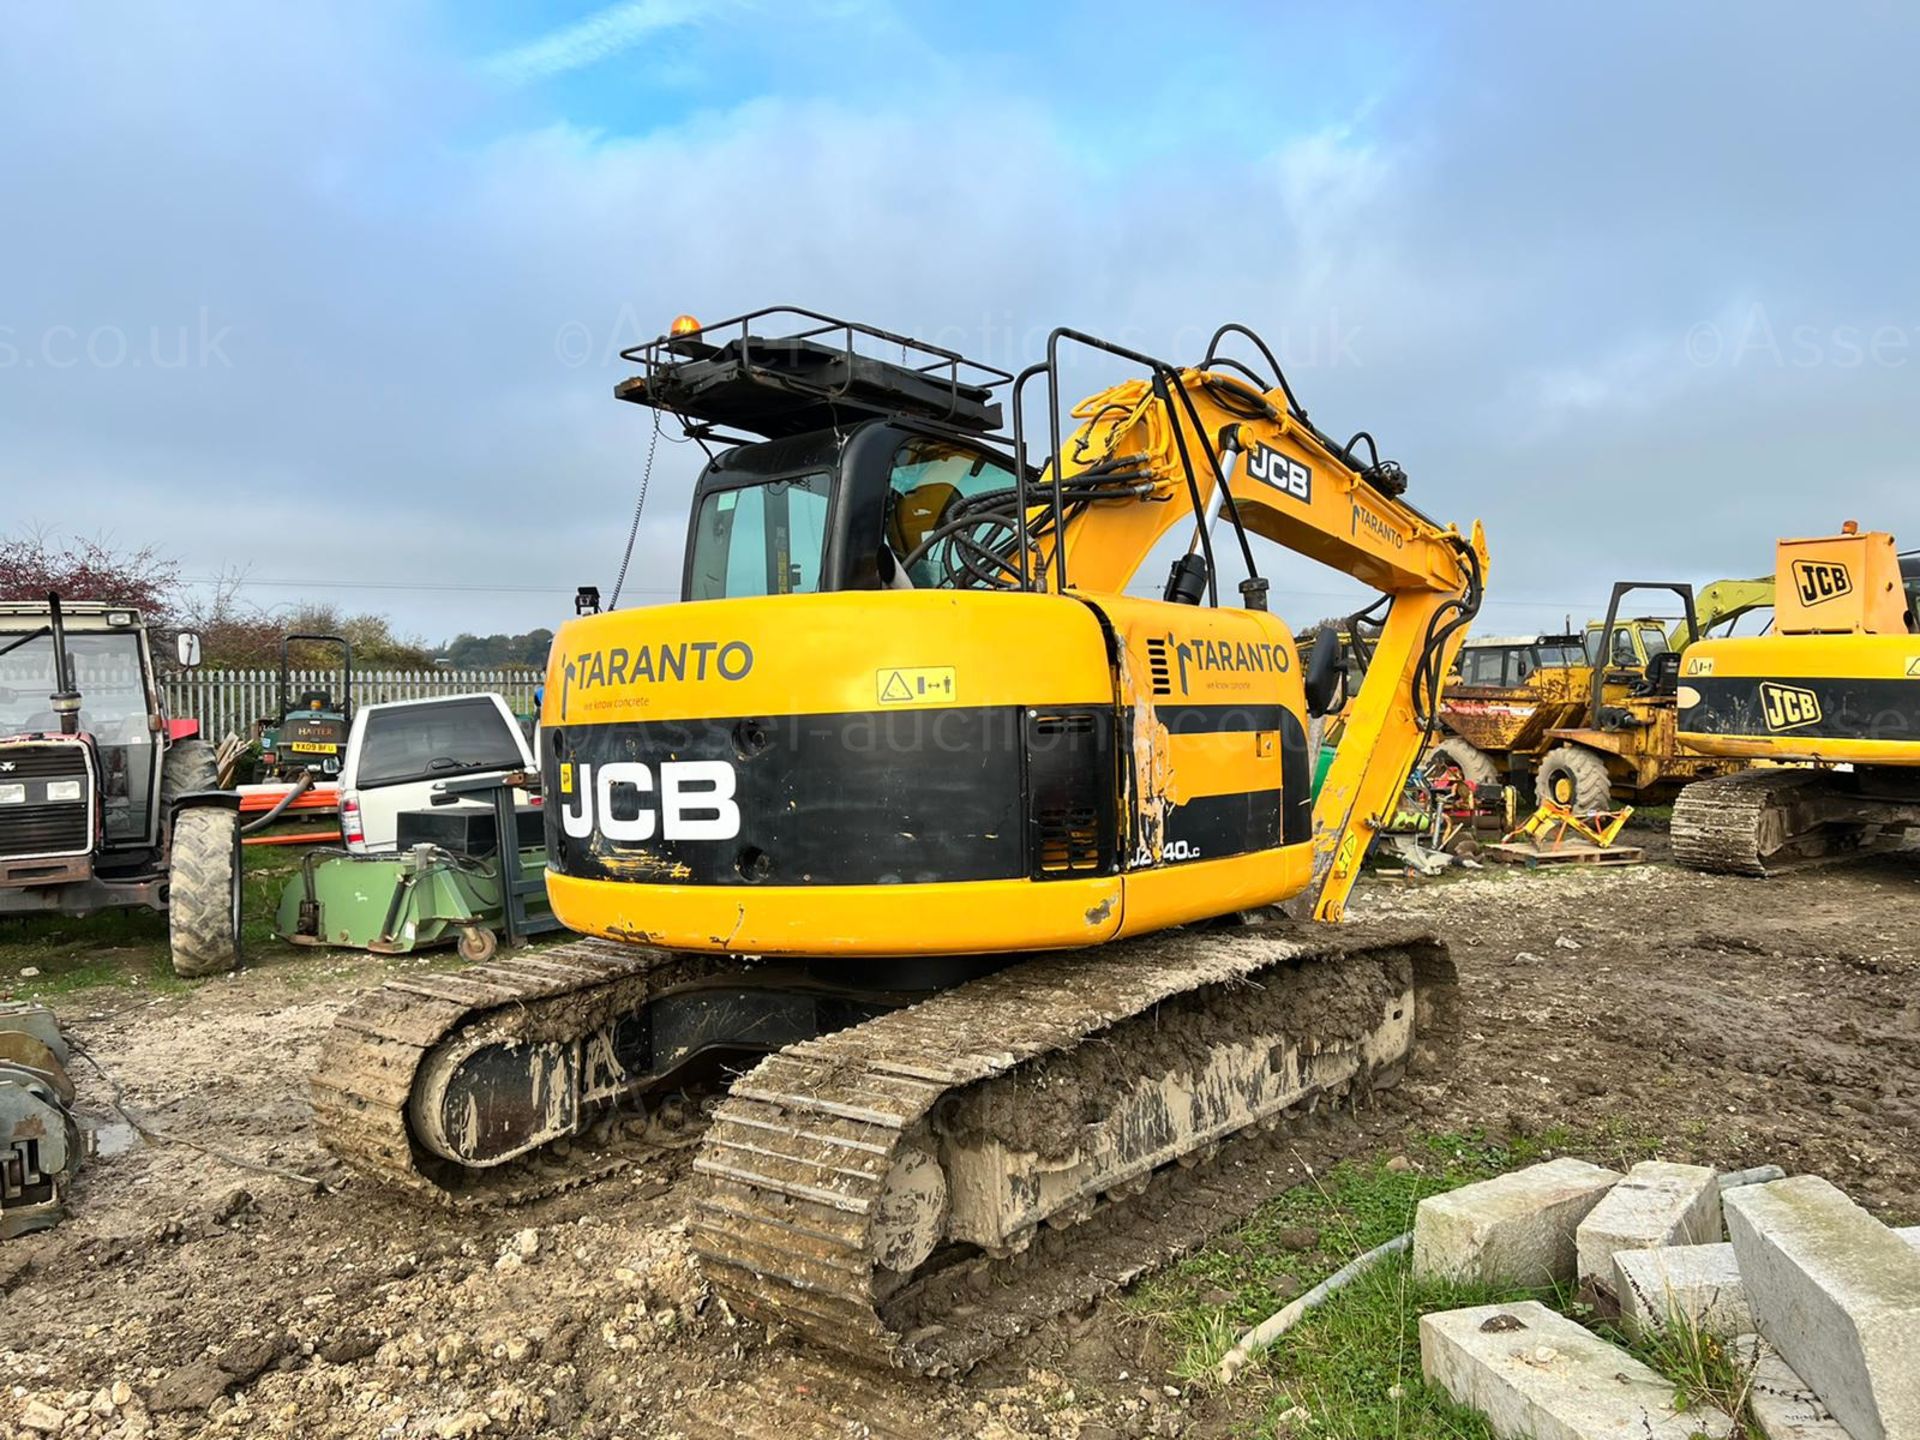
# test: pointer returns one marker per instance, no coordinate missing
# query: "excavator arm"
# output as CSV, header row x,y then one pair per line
x,y
1227,448
1723,603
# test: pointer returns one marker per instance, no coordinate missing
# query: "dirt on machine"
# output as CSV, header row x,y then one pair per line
x,y
1825,706
962,868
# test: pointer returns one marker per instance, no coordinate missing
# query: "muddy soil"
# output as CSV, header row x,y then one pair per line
x,y
1726,1021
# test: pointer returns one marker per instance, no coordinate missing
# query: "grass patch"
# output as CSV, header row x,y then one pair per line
x,y
128,949
1350,1370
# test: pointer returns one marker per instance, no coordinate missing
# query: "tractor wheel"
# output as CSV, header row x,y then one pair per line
x,y
1576,777
189,766
1475,766
203,891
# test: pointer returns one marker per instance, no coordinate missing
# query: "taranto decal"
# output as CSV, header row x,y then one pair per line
x,y
1788,707
1820,580
1257,656
653,664
1273,467
1365,519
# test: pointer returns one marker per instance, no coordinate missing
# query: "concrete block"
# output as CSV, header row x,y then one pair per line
x,y
1838,1295
1694,1285
1515,1229
1784,1407
1691,1287
1657,1204
1536,1375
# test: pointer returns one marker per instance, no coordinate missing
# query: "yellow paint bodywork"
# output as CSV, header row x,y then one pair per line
x,y
1799,660
1839,585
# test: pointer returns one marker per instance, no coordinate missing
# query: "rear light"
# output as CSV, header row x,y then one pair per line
x,y
351,828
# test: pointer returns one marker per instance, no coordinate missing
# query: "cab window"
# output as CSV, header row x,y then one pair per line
x,y
1653,640
1482,665
765,539
1619,655
430,742
931,479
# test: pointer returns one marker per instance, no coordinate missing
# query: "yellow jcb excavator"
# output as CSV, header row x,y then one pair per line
x,y
909,797
1834,684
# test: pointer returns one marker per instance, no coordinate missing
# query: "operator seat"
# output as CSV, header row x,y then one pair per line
x,y
1663,674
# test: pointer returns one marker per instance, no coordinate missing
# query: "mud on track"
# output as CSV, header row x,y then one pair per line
x,y
1733,1021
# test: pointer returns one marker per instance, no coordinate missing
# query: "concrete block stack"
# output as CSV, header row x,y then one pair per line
x,y
1822,1298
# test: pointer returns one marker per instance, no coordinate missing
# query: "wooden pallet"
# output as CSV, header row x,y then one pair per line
x,y
1567,852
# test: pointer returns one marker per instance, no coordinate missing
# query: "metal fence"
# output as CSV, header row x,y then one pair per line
x,y
231,701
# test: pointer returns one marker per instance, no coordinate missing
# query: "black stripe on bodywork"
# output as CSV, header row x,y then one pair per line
x,y
1296,781
1215,826
1849,709
1218,719
866,798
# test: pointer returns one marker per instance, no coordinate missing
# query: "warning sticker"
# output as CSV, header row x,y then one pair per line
x,y
915,685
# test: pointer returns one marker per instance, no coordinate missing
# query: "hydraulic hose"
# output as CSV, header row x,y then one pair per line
x,y
300,787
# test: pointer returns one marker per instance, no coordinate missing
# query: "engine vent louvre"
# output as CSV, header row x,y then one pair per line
x,y
1160,667
1069,765
1068,839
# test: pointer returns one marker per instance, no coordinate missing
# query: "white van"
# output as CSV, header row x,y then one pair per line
x,y
397,753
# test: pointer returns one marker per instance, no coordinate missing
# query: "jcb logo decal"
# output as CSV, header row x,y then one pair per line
x,y
695,801
1271,467
1788,707
1820,580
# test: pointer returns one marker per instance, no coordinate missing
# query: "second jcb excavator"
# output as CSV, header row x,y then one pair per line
x,y
910,797
1835,687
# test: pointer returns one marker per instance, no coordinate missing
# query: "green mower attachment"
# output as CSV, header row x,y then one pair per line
x,y
426,893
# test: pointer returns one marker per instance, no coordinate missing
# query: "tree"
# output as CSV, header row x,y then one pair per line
x,y
233,632
35,564
470,652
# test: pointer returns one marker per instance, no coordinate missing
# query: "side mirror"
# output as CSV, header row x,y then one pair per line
x,y
186,647
1326,672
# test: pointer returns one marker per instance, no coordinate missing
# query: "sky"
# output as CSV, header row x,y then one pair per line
x,y
330,298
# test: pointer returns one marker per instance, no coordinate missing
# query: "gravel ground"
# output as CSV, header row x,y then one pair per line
x,y
1727,1021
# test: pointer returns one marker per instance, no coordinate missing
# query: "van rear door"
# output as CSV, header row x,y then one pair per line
x,y
399,751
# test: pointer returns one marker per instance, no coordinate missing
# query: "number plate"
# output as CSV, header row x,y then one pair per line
x,y
302,747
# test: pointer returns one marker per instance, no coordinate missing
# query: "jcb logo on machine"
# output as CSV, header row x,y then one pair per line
x,y
1820,580
1788,707
695,801
1283,472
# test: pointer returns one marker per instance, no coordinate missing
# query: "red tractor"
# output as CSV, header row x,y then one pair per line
x,y
104,801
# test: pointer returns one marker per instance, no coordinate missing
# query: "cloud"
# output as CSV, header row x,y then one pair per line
x,y
1493,262
600,36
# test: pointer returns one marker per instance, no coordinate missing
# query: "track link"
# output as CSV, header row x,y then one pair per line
x,y
805,1159
375,1050
1743,824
